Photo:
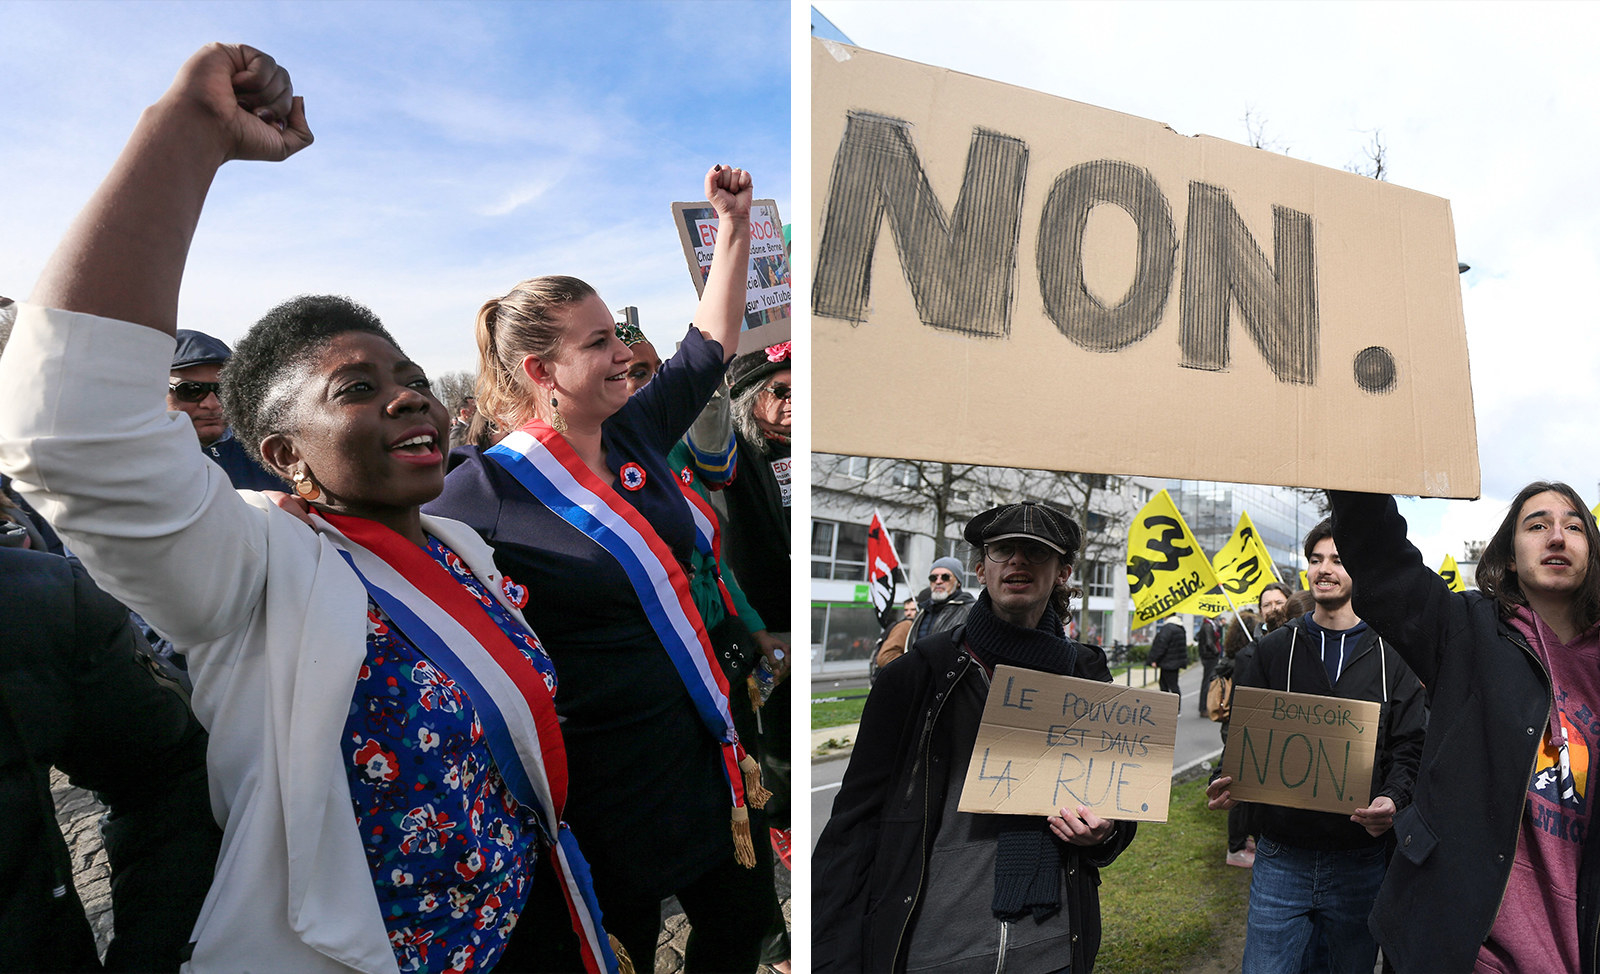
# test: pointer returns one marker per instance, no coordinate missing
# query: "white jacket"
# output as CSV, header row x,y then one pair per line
x,y
273,618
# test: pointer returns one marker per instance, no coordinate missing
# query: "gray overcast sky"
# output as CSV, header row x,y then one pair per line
x,y
1488,105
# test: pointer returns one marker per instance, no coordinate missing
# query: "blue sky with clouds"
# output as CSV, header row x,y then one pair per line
x,y
460,148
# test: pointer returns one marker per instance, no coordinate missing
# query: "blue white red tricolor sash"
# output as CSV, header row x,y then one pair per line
x,y
544,463
508,693
708,538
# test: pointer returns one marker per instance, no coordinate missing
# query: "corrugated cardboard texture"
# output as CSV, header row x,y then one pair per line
x,y
1301,750
1344,330
1050,742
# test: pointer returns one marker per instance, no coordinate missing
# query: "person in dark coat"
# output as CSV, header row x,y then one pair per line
x,y
1169,653
1496,866
192,389
77,695
1208,641
903,880
1316,873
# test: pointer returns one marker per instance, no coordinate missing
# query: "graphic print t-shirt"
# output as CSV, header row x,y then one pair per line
x,y
1537,929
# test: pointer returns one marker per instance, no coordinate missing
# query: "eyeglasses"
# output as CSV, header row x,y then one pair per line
x,y
188,390
1031,552
941,577
780,391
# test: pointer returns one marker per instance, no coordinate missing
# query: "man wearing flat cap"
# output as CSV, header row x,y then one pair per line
x,y
192,389
903,880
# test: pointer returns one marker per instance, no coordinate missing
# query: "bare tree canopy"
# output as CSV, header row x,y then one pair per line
x,y
452,387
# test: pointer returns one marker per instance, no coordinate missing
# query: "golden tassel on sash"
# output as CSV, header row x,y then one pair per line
x,y
743,849
754,794
624,962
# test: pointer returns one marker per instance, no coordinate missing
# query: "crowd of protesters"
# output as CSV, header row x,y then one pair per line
x,y
487,710
1471,852
379,717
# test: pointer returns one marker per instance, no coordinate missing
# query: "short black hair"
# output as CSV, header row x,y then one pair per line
x,y
1324,529
283,339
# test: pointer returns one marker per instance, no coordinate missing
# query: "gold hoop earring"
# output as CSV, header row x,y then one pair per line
x,y
305,486
558,422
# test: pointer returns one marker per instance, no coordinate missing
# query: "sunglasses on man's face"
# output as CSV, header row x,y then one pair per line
x,y
942,577
780,391
188,390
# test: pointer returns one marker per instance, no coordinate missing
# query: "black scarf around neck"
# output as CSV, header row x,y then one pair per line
x,y
1027,861
996,641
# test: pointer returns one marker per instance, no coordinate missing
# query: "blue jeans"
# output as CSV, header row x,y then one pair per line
x,y
1295,892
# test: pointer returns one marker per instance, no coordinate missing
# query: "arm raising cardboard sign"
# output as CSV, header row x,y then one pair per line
x,y
1048,742
1301,750
1168,286
766,313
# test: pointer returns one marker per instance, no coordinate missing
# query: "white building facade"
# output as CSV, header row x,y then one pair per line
x,y
847,490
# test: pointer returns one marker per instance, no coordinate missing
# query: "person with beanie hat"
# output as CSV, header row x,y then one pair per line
x,y
905,881
943,605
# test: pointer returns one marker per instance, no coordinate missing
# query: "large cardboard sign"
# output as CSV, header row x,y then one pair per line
x,y
1049,742
767,287
1301,750
1093,291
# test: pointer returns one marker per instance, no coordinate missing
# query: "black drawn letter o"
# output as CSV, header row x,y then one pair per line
x,y
1078,314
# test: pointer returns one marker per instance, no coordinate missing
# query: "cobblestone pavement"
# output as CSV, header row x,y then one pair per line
x,y
79,815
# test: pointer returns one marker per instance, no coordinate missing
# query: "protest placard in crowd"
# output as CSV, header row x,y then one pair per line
x,y
1301,750
1126,297
1049,742
767,288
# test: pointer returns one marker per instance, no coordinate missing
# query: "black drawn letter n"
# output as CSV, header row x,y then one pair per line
x,y
1223,262
960,269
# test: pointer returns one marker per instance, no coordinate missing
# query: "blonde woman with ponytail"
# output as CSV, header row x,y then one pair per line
x,y
580,505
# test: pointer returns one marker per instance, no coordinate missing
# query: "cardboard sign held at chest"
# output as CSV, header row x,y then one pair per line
x,y
1094,291
1301,750
1049,742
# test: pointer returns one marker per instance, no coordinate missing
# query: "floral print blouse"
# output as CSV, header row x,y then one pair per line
x,y
451,851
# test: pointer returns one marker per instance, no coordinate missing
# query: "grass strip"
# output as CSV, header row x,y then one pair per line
x,y
835,711
1169,902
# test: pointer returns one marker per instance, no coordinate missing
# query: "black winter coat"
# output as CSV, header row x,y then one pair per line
x,y
1490,704
1366,675
1170,649
74,694
933,617
870,863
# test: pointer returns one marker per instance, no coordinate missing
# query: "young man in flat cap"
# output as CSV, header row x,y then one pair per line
x,y
904,881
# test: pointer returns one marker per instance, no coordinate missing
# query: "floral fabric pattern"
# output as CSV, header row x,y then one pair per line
x,y
451,851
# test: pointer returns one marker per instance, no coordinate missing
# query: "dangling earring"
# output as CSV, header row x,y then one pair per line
x,y
558,422
305,486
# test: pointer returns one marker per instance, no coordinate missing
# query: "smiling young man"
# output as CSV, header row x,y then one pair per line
x,y
903,880
1316,874
1495,868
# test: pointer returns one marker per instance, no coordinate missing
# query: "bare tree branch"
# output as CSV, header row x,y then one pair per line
x,y
451,387
1374,161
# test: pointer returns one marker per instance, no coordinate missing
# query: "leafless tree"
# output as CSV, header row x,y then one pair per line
x,y
451,387
1374,161
1255,127
951,493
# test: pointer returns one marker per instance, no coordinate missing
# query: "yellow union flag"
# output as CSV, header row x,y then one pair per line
x,y
1165,564
1452,574
1243,567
